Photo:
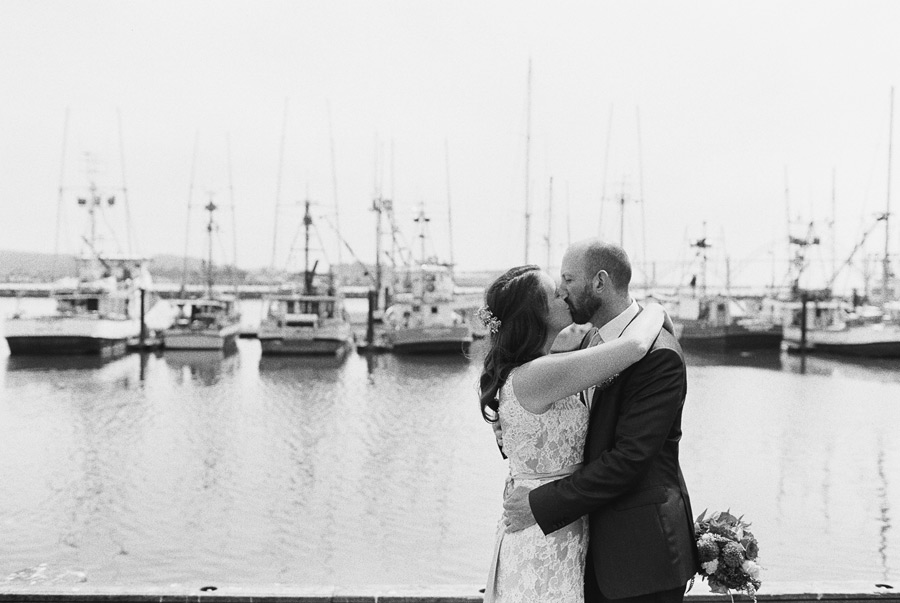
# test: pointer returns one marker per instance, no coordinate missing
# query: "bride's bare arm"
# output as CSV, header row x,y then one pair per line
x,y
545,380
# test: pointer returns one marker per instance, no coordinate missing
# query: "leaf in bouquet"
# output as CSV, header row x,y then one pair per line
x,y
702,515
728,517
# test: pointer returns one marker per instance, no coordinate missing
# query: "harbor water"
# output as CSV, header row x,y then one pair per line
x,y
196,467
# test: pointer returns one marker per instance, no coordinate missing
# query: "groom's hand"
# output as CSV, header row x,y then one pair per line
x,y
518,510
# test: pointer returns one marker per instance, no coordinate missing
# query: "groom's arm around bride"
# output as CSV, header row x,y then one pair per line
x,y
641,525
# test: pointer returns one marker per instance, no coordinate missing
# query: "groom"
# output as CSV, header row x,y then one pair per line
x,y
642,547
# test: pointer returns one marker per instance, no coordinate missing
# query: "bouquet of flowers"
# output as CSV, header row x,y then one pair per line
x,y
728,552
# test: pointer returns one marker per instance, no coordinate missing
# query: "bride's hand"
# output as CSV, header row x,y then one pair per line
x,y
645,327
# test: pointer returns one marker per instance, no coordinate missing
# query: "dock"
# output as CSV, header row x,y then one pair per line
x,y
785,592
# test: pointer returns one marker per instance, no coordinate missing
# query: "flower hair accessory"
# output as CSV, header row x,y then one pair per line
x,y
488,319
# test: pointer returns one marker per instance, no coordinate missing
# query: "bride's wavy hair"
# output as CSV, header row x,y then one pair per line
x,y
517,299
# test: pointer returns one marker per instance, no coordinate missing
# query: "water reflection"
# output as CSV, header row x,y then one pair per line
x,y
885,513
206,367
873,369
761,359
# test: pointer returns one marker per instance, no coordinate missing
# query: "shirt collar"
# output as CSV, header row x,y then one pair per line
x,y
613,329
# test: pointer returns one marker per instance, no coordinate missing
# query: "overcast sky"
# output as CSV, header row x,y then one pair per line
x,y
710,105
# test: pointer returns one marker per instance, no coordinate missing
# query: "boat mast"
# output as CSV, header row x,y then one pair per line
x,y
527,163
887,211
307,278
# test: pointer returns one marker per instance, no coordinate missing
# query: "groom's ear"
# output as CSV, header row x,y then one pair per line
x,y
601,281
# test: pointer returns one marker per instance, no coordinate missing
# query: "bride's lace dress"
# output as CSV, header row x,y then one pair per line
x,y
529,566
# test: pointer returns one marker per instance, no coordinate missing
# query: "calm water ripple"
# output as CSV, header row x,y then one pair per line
x,y
241,469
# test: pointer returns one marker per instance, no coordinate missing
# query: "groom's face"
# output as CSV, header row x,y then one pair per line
x,y
575,287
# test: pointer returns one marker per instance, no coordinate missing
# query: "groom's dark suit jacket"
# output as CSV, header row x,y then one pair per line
x,y
631,486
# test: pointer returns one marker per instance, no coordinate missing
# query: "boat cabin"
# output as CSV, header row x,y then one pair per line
x,y
202,313
303,310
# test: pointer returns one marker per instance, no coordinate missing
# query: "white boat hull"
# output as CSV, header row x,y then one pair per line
x,y
424,340
873,340
221,338
326,340
70,335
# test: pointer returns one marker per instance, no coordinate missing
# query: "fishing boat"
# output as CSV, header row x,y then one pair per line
x,y
707,321
210,322
723,323
425,317
820,323
98,311
425,320
836,327
97,314
307,319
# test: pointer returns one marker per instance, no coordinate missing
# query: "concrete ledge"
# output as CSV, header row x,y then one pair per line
x,y
787,592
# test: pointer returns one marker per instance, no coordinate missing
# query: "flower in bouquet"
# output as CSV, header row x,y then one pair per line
x,y
728,553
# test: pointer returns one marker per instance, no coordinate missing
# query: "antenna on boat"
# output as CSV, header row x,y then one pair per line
x,y
702,245
187,231
549,224
449,204
423,221
59,198
278,183
527,163
605,167
887,211
210,207
334,188
233,217
128,232
640,151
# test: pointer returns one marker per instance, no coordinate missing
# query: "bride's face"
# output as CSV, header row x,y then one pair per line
x,y
558,314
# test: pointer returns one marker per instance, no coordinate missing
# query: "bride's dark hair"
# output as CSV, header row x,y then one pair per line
x,y
519,302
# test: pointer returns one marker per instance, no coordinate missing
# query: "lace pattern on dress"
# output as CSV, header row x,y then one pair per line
x,y
528,565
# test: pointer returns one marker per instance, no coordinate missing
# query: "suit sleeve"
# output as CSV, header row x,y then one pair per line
x,y
655,396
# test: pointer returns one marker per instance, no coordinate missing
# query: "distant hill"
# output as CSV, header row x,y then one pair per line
x,y
30,267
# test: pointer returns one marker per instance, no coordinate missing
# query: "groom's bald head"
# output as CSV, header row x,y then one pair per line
x,y
594,255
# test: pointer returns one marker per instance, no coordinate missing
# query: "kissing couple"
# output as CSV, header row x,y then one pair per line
x,y
595,504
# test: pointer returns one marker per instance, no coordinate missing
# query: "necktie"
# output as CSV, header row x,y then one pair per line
x,y
587,395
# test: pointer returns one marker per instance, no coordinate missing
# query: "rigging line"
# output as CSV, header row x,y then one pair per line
x,y
109,227
59,199
187,226
129,234
322,249
350,249
278,183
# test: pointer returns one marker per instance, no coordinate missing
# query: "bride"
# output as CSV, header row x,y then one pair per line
x,y
536,400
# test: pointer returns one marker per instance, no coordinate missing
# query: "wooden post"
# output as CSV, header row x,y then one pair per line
x,y
370,319
143,341
803,300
